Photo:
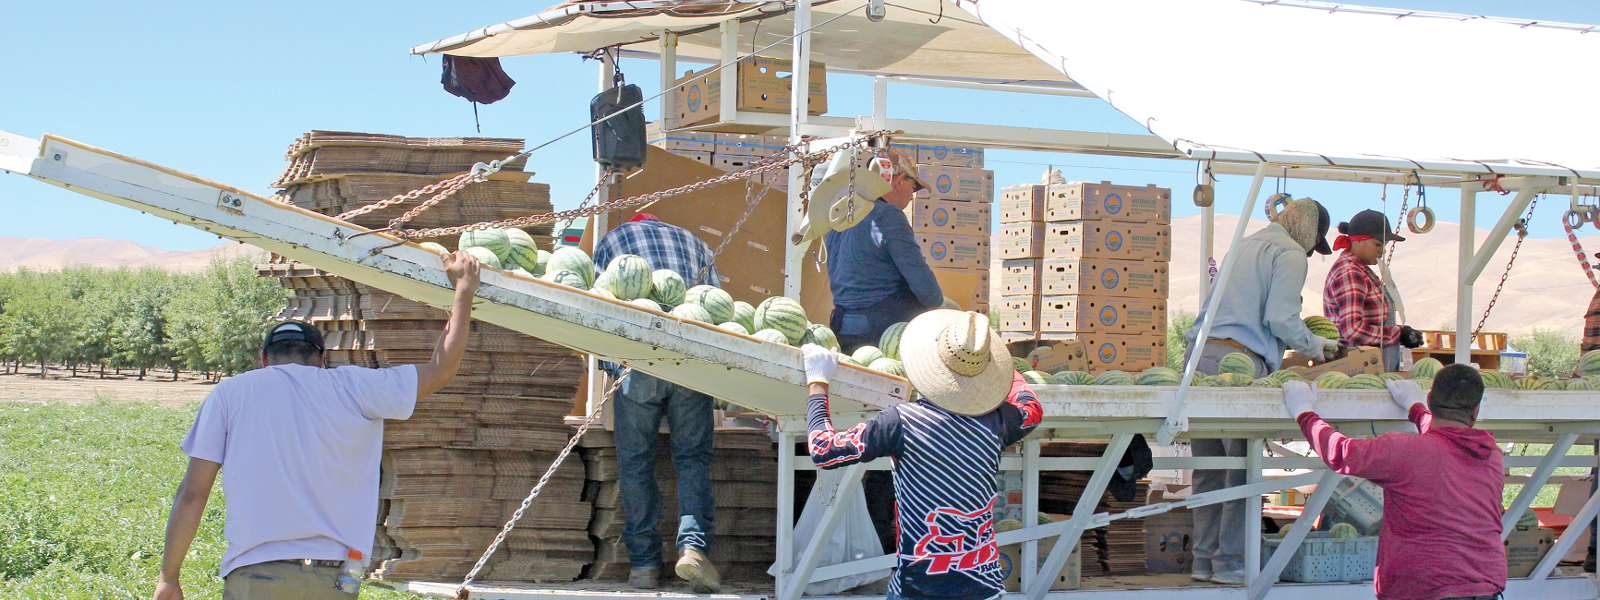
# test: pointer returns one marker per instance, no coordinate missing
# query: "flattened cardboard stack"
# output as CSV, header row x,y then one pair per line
x,y
459,467
744,473
1119,548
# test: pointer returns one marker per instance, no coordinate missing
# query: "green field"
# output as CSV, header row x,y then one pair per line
x,y
84,495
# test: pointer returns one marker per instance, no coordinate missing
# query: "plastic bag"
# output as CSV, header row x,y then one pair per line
x,y
854,538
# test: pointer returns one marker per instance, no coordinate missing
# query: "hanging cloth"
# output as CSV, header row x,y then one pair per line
x,y
479,80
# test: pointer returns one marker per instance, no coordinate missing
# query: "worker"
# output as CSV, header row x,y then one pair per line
x,y
876,269
1260,319
301,444
1355,299
946,449
641,401
1442,487
1591,342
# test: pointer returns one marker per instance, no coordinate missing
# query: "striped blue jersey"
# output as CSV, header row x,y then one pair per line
x,y
944,481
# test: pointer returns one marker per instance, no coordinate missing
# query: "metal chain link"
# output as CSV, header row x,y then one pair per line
x,y
1522,234
755,200
455,182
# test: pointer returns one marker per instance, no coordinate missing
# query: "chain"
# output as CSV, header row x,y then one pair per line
x,y
461,590
1522,234
455,183
755,200
1577,248
1405,202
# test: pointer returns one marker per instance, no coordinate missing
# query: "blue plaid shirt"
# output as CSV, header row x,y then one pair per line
x,y
664,245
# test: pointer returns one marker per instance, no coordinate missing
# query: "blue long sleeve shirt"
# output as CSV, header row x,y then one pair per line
x,y
1261,309
876,258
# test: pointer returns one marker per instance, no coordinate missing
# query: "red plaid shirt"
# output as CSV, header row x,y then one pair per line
x,y
1353,299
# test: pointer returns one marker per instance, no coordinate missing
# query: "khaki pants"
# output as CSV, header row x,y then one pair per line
x,y
282,581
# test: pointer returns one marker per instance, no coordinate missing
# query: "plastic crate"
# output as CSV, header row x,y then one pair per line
x,y
1321,559
1359,500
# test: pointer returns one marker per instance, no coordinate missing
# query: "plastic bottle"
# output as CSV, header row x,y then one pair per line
x,y
349,580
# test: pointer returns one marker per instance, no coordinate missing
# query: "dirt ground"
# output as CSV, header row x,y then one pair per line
x,y
59,386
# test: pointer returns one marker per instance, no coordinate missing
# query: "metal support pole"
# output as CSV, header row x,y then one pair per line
x,y
1469,210
1252,512
785,507
1297,533
836,502
1208,233
1530,488
596,377
1176,421
1567,539
1030,508
669,74
1519,204
880,101
1082,513
728,79
798,104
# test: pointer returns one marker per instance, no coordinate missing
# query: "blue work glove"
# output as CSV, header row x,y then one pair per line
x,y
1299,397
820,363
1406,393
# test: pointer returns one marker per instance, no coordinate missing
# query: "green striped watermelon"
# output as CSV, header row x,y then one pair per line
x,y
1343,531
845,358
1284,375
1021,365
866,354
572,259
1320,326
1365,381
743,314
774,336
1115,377
691,312
1589,364
1393,376
732,326
666,287
1498,380
1237,362
1236,380
566,278
888,365
628,276
1577,384
1165,376
485,256
645,303
1265,382
820,335
1202,380
494,240
1426,383
717,302
1038,378
1332,380
785,315
437,248
522,272
889,342
1074,378
544,261
521,251
603,293
1427,367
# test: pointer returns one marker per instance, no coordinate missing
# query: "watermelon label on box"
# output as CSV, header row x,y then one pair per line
x,y
1107,314
1131,353
954,251
963,218
1079,201
956,183
1107,239
1103,277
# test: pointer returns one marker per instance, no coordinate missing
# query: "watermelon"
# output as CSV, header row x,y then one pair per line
x,y
777,337
571,259
1284,375
820,335
866,354
1320,326
1202,380
888,365
1073,378
1236,380
743,313
1266,382
1589,364
1332,380
1343,531
628,276
1393,376
603,293
666,287
436,248
691,312
730,325
1547,383
1427,367
1528,520
544,261
522,272
566,278
645,303
845,358
1577,384
1160,376
1021,365
1595,381
520,250
1498,380
493,240
1038,378
889,342
1365,381
1007,525
717,302
1426,383
1115,377
785,315
485,256
1237,362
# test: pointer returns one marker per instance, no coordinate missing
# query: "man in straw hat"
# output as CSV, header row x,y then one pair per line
x,y
946,449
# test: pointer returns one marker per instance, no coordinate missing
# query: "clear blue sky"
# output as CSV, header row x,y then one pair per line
x,y
220,89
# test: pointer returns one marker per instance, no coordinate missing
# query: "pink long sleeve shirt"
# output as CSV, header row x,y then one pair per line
x,y
1441,505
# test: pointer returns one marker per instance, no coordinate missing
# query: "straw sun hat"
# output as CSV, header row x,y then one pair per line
x,y
956,361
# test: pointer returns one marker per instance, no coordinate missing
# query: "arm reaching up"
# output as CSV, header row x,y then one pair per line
x,y
462,269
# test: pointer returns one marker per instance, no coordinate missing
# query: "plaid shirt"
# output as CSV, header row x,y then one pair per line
x,y
1353,299
664,245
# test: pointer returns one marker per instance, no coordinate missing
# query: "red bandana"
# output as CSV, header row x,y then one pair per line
x,y
1343,242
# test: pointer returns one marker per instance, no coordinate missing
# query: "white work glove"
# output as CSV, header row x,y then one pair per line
x,y
1299,397
820,363
1406,393
1329,347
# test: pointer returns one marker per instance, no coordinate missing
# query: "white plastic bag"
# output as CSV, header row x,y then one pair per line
x,y
854,538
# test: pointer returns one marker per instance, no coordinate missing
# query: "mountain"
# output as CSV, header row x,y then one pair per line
x,y
1546,289
44,254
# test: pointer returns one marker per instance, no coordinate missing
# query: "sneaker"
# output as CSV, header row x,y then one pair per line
x,y
696,568
1589,561
648,578
1228,577
1200,574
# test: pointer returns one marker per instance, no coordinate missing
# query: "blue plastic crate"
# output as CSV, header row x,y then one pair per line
x,y
1321,559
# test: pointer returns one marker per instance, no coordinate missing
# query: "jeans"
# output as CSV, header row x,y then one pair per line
x,y
1211,359
857,327
277,579
640,402
1219,529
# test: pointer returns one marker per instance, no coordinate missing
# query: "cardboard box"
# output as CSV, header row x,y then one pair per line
x,y
968,288
697,98
948,216
950,156
1079,201
1022,204
1053,357
734,162
747,144
675,141
1108,239
957,183
1107,351
1103,276
704,158
1070,577
1019,313
1020,240
1525,547
1019,277
1351,361
946,251
1169,541
1103,314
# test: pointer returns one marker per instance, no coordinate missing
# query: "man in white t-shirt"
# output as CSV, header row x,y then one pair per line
x,y
301,444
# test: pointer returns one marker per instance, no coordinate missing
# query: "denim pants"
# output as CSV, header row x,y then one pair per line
x,y
281,579
640,403
857,327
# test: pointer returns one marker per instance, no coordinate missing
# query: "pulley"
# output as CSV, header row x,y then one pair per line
x,y
1276,203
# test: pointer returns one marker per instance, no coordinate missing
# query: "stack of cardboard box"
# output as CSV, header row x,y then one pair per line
x,y
727,151
1086,263
951,220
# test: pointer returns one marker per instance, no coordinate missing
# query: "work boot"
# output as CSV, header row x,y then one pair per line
x,y
696,568
1588,561
1228,577
647,578
1199,574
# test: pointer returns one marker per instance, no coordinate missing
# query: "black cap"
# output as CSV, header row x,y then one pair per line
x,y
1371,223
1323,220
293,330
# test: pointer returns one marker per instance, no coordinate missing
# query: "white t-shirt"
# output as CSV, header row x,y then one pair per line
x,y
300,448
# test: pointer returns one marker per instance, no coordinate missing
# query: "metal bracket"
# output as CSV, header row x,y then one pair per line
x,y
228,201
876,10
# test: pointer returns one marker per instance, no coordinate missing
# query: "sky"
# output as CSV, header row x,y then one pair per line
x,y
220,90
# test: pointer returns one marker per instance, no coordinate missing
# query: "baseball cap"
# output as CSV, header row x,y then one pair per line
x,y
1370,223
293,330
904,164
1322,229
